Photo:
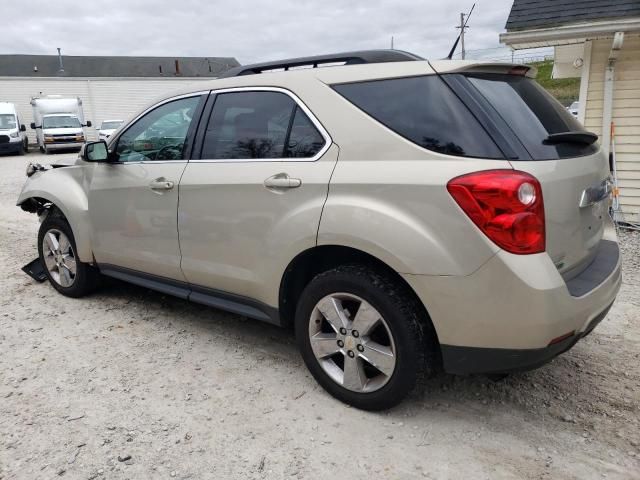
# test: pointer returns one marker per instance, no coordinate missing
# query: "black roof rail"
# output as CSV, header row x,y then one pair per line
x,y
349,58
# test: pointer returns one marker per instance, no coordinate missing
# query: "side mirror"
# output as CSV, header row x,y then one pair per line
x,y
95,152
88,123
33,126
23,128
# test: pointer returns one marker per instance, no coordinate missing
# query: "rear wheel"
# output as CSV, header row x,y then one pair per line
x,y
57,249
362,336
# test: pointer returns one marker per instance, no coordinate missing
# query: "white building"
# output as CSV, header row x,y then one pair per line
x,y
598,41
110,87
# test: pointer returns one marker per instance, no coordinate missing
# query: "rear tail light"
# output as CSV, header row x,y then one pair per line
x,y
506,205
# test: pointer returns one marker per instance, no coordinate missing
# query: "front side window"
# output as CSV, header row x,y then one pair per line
x,y
425,111
259,125
160,134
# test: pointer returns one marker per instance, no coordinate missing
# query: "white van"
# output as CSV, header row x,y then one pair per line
x,y
58,123
13,138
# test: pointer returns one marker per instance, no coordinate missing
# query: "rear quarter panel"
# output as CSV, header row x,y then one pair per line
x,y
388,196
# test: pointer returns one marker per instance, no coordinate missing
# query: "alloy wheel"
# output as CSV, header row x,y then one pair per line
x,y
352,342
59,257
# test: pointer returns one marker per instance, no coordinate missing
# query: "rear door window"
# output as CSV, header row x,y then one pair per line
x,y
304,139
425,111
259,125
532,114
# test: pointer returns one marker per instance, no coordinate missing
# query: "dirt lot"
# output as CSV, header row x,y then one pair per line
x,y
193,393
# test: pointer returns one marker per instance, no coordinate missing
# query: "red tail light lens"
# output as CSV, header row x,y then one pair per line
x,y
506,205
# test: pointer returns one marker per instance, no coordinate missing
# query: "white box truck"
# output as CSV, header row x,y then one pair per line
x,y
13,138
58,123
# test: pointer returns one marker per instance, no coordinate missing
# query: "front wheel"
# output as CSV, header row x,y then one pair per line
x,y
363,336
58,254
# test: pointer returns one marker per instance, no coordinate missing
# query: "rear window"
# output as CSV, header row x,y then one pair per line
x,y
532,113
260,124
425,111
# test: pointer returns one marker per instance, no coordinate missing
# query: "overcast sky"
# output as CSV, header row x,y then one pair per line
x,y
250,30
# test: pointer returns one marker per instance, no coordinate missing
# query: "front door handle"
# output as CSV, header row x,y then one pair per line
x,y
282,180
161,184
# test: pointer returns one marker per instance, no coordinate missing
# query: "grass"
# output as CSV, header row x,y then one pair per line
x,y
566,90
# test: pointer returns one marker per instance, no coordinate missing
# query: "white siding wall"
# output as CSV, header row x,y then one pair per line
x,y
626,114
102,99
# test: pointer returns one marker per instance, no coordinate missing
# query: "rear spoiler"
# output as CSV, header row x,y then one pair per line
x,y
464,66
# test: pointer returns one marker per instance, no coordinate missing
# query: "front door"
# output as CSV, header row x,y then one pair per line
x,y
133,200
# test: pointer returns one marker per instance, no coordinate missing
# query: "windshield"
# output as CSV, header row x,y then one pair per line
x,y
61,122
110,125
7,121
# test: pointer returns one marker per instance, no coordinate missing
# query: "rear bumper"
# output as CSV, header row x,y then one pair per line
x,y
504,316
463,360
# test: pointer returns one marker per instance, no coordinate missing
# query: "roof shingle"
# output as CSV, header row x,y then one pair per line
x,y
527,14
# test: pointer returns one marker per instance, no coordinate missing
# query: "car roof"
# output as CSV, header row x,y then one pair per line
x,y
403,65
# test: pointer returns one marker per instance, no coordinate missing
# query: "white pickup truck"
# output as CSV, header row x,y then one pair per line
x,y
58,123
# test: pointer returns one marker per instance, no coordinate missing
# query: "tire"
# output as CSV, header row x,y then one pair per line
x,y
402,330
21,149
42,150
26,146
75,278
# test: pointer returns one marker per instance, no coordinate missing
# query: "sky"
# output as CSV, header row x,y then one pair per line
x,y
251,30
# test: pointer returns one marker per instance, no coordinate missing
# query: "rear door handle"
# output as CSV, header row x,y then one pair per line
x,y
282,180
161,184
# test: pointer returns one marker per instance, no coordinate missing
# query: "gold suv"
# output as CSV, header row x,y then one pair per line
x,y
401,214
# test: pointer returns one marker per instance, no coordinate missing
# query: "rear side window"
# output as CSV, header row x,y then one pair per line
x,y
532,114
304,139
424,110
259,125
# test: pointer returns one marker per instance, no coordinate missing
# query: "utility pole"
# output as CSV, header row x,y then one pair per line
x,y
391,42
462,28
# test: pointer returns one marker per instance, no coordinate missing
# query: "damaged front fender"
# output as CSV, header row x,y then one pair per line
x,y
66,189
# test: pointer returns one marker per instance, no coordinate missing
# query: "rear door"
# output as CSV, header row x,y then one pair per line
x,y
572,169
253,199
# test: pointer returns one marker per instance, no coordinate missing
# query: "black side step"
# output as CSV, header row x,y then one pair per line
x,y
205,296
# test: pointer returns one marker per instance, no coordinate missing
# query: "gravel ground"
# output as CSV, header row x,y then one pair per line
x,y
129,383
